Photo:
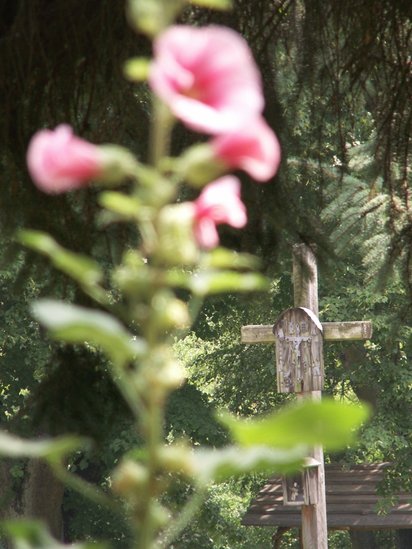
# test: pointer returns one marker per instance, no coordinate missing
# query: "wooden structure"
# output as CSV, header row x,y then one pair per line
x,y
299,335
332,331
302,488
299,351
351,497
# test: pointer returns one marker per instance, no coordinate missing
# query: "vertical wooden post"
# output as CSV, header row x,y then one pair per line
x,y
305,284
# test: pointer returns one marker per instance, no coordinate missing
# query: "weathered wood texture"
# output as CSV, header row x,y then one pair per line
x,y
305,288
313,518
299,351
332,331
305,278
301,488
351,497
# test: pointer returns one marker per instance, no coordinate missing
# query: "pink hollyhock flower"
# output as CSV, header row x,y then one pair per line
x,y
219,202
253,148
58,161
207,77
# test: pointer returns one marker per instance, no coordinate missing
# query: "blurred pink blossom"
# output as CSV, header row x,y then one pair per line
x,y
58,161
253,148
219,202
207,77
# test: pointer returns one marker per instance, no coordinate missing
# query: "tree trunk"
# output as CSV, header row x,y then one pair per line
x,y
43,496
39,497
7,498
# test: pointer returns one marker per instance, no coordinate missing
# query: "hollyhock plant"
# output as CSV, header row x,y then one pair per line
x,y
59,161
207,77
254,149
219,202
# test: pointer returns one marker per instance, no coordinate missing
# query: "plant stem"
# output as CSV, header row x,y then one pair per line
x,y
154,433
160,132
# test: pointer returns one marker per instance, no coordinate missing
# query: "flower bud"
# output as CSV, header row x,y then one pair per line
x,y
171,313
176,243
160,373
59,161
118,164
152,16
177,458
133,276
129,477
172,375
160,514
199,165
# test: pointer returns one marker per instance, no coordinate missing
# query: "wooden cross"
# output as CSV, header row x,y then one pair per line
x,y
305,289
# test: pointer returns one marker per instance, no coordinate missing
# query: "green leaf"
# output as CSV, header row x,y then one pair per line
x,y
50,449
79,267
178,278
207,283
152,16
125,206
32,534
137,69
76,324
213,4
329,423
222,464
222,258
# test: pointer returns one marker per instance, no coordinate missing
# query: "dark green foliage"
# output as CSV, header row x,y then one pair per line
x,y
77,395
190,415
85,520
378,372
373,222
337,82
234,376
331,76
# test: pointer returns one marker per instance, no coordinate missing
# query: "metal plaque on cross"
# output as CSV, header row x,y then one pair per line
x,y
299,351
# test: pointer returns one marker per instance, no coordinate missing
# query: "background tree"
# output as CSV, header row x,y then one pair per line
x,y
337,80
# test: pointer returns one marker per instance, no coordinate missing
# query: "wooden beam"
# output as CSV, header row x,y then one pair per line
x,y
305,285
332,331
341,331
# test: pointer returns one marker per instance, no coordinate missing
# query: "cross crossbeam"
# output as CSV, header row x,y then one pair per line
x,y
332,331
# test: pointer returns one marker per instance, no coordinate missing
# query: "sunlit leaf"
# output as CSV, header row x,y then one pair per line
x,y
206,283
76,324
222,258
51,449
221,464
178,278
152,16
126,207
77,266
329,423
213,4
137,69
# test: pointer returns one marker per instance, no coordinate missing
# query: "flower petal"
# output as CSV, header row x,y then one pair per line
x,y
207,76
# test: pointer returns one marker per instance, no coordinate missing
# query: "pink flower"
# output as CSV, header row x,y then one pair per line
x,y
58,161
219,202
207,77
253,148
